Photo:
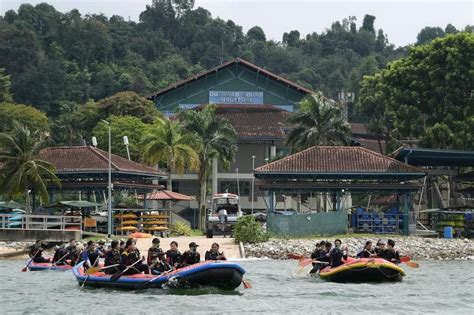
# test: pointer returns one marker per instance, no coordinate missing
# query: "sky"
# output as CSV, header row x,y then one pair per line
x,y
401,20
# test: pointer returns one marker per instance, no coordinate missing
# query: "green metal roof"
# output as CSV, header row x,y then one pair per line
x,y
434,157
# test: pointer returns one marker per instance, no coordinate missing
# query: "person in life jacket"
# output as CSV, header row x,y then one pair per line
x,y
390,253
156,258
36,252
113,257
91,255
59,258
337,254
173,256
379,248
122,246
214,253
367,251
131,255
73,252
191,256
318,251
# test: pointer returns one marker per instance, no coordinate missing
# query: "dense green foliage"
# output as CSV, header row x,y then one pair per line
x,y
426,96
319,121
20,169
180,228
248,230
58,59
26,115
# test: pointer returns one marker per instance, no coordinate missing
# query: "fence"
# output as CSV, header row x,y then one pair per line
x,y
39,222
321,223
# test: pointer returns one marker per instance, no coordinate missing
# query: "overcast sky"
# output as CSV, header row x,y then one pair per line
x,y
401,19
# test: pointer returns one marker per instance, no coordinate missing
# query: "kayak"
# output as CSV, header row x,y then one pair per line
x,y
222,275
363,270
47,266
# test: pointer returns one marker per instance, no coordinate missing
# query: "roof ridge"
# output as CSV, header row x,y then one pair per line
x,y
97,152
388,157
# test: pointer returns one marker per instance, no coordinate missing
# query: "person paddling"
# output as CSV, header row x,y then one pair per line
x,y
191,256
130,256
156,258
60,256
390,253
173,256
73,252
113,257
367,252
379,248
214,253
91,255
36,253
337,254
318,252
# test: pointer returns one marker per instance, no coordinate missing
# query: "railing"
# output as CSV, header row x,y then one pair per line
x,y
39,222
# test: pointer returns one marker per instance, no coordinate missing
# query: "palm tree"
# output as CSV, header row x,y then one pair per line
x,y
215,137
318,122
167,142
20,168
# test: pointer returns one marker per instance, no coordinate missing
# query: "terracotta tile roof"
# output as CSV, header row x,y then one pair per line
x,y
166,195
229,63
337,160
75,159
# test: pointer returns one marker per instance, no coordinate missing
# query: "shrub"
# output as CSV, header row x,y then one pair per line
x,y
181,228
248,230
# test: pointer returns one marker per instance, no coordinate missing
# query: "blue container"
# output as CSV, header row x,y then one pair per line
x,y
353,220
448,232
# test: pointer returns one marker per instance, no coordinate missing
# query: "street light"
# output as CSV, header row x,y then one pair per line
x,y
253,181
109,186
125,141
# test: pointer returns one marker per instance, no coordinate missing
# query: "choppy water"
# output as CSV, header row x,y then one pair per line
x,y
436,287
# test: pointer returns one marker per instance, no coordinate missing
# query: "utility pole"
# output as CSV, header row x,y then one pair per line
x,y
109,186
253,181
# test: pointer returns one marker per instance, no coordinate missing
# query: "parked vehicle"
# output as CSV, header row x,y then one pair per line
x,y
223,214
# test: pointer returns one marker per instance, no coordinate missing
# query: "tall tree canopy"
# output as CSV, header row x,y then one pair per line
x,y
426,96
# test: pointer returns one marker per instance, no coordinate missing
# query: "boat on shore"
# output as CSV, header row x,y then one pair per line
x,y
363,270
220,274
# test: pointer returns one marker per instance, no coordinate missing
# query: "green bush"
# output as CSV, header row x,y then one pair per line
x,y
181,228
248,230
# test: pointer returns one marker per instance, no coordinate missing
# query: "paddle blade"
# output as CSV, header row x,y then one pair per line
x,y
92,270
405,258
295,256
246,284
116,276
24,269
412,264
305,262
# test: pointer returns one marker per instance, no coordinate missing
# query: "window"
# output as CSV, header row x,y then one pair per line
x,y
231,187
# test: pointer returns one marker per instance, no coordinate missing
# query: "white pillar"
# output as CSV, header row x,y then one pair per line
x,y
273,151
214,176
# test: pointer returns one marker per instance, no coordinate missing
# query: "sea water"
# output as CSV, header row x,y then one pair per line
x,y
441,287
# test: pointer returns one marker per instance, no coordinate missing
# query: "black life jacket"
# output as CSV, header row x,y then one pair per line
x,y
154,253
210,255
173,257
112,257
190,258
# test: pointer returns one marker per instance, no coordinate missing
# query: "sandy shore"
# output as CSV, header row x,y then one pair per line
x,y
415,247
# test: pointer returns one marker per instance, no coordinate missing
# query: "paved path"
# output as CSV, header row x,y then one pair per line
x,y
227,245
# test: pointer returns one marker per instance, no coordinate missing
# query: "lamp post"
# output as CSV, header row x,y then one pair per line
x,y
109,185
253,181
125,141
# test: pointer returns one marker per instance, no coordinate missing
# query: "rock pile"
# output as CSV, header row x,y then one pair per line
x,y
416,247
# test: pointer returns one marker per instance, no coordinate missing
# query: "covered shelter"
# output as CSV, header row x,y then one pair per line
x,y
338,172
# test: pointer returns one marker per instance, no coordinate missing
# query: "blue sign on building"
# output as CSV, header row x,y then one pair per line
x,y
235,97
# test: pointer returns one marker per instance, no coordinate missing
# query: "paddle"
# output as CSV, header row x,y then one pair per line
x,y
96,269
246,284
24,269
87,278
56,263
411,264
144,284
295,256
405,258
117,275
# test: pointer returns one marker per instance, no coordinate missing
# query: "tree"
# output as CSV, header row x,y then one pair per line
x,y
215,137
318,122
429,33
121,126
5,95
20,169
168,143
427,95
256,34
27,116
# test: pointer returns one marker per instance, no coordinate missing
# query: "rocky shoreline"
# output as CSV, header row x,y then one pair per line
x,y
416,247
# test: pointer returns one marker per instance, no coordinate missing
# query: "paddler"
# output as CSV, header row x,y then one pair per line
x,y
60,254
131,255
367,252
191,256
214,253
318,252
156,258
91,255
379,247
73,252
337,254
390,253
113,257
36,252
173,256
